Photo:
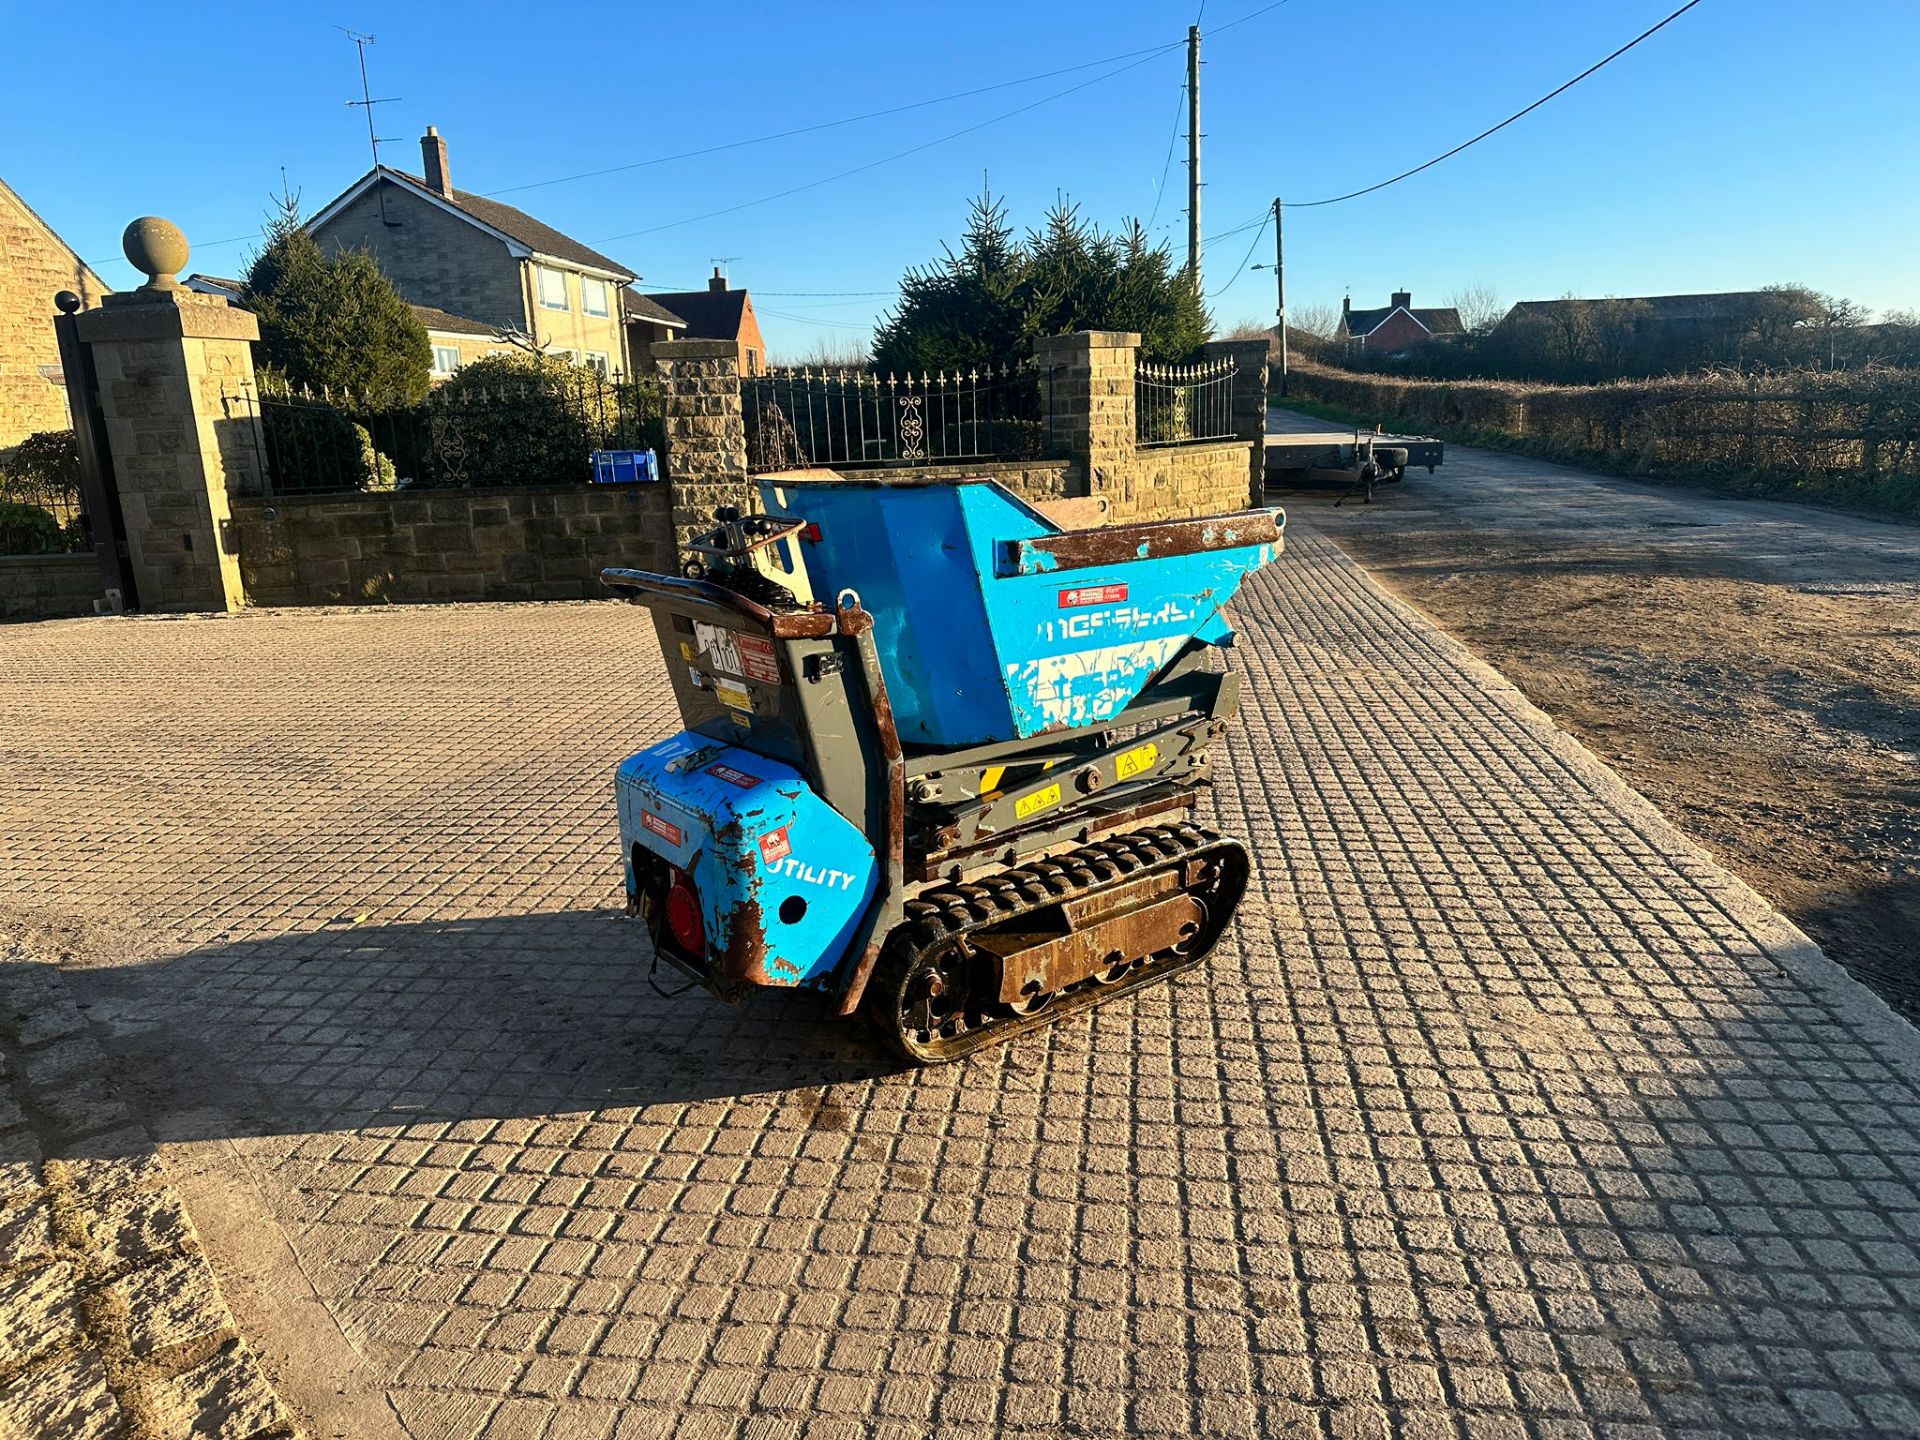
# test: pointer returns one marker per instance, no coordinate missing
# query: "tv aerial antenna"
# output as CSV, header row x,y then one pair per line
x,y
366,102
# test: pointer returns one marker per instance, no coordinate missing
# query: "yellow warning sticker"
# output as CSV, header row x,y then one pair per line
x,y
1033,804
990,780
1136,761
736,696
686,650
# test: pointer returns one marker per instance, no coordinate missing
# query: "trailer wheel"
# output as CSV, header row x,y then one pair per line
x,y
1392,457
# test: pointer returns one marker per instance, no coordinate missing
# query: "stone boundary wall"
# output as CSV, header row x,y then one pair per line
x,y
1094,375
529,542
48,587
1179,482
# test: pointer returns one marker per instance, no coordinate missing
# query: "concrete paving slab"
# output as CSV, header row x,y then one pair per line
x,y
1503,1111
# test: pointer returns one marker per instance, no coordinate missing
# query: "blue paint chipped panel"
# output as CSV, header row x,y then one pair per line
x,y
783,879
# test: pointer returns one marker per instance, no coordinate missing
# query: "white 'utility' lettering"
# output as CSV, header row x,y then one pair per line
x,y
810,875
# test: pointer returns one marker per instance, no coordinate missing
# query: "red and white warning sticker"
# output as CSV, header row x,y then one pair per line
x,y
1092,595
733,776
774,847
756,657
665,829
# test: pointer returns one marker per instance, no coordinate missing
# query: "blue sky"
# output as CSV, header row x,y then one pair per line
x,y
1752,141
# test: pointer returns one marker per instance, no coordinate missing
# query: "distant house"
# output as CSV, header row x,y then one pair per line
x,y
455,339
220,285
1709,319
1396,326
647,321
35,265
482,262
715,313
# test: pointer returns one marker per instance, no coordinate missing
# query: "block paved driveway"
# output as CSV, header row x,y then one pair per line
x,y
1505,1112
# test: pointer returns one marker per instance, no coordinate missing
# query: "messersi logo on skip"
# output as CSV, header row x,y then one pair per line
x,y
778,855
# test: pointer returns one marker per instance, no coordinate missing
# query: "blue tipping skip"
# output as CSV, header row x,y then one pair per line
x,y
978,638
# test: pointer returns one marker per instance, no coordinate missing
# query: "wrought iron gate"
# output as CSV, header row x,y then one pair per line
x,y
99,487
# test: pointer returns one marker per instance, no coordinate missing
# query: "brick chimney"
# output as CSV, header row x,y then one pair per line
x,y
433,163
1403,299
1346,306
716,281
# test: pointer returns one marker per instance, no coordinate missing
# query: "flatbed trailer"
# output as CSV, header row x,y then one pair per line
x,y
1361,458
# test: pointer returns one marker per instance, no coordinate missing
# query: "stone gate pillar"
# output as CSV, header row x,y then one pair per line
x,y
1092,419
1249,403
171,365
706,434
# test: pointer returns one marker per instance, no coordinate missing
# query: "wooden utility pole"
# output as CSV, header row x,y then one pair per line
x,y
1280,288
1193,152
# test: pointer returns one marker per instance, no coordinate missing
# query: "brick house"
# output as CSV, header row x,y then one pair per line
x,y
455,339
647,321
482,262
1396,326
715,313
35,265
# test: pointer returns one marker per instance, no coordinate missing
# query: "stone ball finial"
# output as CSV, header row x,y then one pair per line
x,y
157,249
66,302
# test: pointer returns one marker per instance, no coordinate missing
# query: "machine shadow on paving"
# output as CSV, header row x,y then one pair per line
x,y
939,754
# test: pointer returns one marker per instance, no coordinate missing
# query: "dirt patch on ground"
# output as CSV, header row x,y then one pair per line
x,y
1777,723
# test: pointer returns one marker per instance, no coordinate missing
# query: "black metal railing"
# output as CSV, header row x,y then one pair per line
x,y
847,419
536,428
41,509
1180,404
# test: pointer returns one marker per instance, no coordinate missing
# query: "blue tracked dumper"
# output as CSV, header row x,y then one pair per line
x,y
940,754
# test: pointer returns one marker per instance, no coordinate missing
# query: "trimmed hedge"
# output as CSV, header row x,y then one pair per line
x,y
1848,434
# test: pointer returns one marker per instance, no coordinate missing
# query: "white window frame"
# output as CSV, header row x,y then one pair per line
x,y
453,360
588,285
541,272
598,360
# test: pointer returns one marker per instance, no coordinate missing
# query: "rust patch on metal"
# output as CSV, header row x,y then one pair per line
x,y
1080,549
1062,948
645,587
744,961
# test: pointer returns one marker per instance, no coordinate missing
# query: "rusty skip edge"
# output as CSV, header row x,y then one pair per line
x,y
1118,544
858,624
643,587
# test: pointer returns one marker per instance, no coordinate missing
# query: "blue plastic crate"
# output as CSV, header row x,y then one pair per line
x,y
624,467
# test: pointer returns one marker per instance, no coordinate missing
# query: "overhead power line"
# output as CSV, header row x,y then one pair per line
x,y
1135,57
1213,294
814,320
828,124
1494,129
1260,221
1166,166
897,155
1250,15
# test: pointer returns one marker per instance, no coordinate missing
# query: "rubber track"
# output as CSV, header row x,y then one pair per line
x,y
936,916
